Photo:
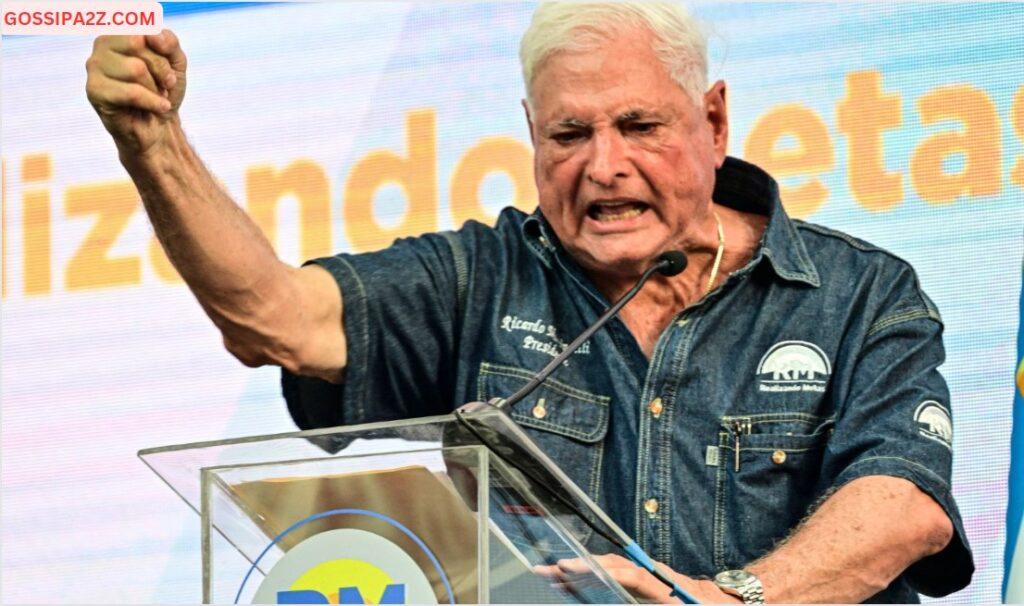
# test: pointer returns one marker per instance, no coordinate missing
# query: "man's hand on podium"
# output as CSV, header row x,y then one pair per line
x,y
637,581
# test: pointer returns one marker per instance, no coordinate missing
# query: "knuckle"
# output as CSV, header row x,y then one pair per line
x,y
160,66
137,68
136,43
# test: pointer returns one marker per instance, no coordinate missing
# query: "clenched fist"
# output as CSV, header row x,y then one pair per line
x,y
136,84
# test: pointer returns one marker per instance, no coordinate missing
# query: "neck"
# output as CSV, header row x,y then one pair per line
x,y
700,244
662,298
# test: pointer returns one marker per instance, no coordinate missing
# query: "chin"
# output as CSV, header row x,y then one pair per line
x,y
618,259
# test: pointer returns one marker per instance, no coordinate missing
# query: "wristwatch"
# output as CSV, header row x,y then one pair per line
x,y
741,584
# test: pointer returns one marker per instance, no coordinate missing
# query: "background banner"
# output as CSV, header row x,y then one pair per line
x,y
341,126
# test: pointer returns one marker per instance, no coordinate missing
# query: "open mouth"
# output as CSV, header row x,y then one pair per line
x,y
608,212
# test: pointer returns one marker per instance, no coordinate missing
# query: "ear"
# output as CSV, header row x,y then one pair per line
x,y
529,120
717,114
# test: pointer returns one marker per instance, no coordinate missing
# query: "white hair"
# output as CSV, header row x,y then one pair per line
x,y
582,26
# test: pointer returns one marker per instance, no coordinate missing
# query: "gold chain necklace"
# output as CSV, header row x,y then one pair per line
x,y
718,255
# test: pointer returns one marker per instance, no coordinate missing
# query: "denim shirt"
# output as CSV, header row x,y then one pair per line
x,y
813,365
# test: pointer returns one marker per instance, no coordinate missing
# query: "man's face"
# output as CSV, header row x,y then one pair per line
x,y
624,160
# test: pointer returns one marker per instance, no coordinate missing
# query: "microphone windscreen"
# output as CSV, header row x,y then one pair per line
x,y
672,262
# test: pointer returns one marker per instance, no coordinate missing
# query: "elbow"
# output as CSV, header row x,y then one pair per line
x,y
259,345
246,352
937,531
256,349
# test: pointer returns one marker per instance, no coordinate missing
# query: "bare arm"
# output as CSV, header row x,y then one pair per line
x,y
859,540
267,311
856,543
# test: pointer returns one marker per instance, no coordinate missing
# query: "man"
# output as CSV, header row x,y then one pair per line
x,y
774,408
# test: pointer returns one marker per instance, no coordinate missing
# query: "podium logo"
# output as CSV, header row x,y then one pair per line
x,y
793,366
345,566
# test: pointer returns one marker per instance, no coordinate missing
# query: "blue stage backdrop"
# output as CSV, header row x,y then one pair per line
x,y
900,123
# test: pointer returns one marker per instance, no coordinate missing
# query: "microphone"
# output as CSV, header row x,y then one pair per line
x,y
489,424
669,263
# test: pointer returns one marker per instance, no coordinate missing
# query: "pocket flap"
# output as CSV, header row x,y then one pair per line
x,y
555,406
779,430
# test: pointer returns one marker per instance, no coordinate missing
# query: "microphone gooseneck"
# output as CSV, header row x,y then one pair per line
x,y
669,263
520,453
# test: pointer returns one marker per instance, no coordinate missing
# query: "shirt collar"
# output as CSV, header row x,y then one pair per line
x,y
739,185
745,187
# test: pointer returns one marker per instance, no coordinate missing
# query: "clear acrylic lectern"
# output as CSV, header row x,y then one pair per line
x,y
413,511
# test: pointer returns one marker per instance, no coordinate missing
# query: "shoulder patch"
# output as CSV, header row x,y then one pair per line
x,y
934,422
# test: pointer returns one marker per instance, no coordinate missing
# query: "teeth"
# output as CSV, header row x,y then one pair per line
x,y
607,213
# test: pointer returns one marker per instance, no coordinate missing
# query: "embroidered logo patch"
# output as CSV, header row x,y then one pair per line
x,y
793,366
935,422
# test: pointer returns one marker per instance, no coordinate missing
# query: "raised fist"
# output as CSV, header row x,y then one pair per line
x,y
136,84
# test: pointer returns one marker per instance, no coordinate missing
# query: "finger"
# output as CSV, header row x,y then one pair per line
x,y
631,579
613,559
136,46
166,43
577,565
126,45
128,69
159,67
108,92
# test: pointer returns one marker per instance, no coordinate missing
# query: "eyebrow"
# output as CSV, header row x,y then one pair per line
x,y
629,115
572,123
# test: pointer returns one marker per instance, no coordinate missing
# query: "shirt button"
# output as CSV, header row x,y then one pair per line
x,y
779,457
655,407
651,506
539,411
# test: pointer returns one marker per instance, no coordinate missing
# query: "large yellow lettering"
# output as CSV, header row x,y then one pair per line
x,y
863,115
36,219
979,143
812,153
307,181
91,267
416,174
492,155
1017,117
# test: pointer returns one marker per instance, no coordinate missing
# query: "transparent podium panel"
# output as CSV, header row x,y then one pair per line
x,y
415,511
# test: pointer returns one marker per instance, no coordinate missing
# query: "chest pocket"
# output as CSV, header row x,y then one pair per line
x,y
567,423
768,466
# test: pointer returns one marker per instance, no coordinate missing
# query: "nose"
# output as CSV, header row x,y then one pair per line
x,y
608,159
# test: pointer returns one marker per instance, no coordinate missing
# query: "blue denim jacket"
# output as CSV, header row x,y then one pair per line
x,y
811,366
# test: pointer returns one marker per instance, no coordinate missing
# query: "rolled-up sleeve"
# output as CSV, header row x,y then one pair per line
x,y
896,421
399,311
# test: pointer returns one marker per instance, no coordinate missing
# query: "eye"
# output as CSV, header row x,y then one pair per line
x,y
566,137
642,128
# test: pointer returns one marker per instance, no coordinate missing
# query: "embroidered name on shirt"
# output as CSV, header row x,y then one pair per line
x,y
548,341
793,366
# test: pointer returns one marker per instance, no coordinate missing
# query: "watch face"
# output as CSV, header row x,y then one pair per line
x,y
733,578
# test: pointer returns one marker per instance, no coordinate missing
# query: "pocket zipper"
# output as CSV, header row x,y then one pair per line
x,y
740,426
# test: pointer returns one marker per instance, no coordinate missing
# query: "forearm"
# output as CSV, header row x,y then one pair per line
x,y
855,544
220,253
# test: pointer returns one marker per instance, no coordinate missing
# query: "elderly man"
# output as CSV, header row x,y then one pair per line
x,y
774,410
